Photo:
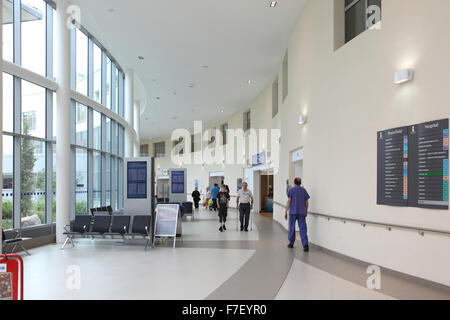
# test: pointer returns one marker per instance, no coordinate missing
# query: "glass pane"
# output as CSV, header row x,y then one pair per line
x,y
7,192
116,89
81,183
32,182
121,94
355,20
97,180
97,74
8,102
97,134
114,186
115,140
81,62
54,117
54,184
108,83
8,35
33,110
108,135
33,24
81,134
120,196
108,180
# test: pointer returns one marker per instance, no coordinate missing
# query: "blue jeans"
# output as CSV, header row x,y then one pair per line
x,y
302,226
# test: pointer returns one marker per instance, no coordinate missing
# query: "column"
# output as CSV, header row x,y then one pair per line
x,y
63,74
129,112
137,126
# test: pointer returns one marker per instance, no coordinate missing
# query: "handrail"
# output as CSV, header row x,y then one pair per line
x,y
389,226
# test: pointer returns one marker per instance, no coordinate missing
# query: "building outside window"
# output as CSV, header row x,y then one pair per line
x,y
224,129
144,150
360,15
160,149
275,89
247,121
285,76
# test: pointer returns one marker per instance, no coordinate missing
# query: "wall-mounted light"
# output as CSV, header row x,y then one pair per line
x,y
403,76
302,120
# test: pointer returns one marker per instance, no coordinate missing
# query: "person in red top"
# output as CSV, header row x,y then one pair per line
x,y
223,201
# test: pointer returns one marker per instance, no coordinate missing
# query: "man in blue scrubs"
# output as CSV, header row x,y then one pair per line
x,y
297,205
214,192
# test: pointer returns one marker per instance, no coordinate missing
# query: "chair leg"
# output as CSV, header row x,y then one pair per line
x,y
25,250
146,245
65,242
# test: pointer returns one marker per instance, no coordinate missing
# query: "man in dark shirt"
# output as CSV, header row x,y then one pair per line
x,y
297,205
223,201
196,197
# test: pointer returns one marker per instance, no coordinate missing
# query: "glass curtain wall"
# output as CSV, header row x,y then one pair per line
x,y
28,110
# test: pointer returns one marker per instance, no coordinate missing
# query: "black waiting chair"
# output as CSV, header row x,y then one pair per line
x,y
141,228
120,226
16,241
93,211
101,226
109,209
80,227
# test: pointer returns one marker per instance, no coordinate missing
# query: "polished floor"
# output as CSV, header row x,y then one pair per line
x,y
210,265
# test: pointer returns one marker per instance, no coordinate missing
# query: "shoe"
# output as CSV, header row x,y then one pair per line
x,y
224,228
246,230
221,229
242,229
290,246
306,248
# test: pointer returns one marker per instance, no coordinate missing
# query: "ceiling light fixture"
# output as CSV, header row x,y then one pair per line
x,y
273,4
403,76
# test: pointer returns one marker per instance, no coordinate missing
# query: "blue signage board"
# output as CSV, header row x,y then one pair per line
x,y
137,180
259,159
177,182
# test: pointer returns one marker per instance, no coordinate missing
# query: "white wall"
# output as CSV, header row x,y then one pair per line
x,y
348,95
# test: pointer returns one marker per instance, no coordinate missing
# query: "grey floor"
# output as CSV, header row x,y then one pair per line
x,y
211,265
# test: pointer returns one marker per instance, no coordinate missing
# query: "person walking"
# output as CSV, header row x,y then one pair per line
x,y
214,192
196,197
244,202
207,197
223,202
298,205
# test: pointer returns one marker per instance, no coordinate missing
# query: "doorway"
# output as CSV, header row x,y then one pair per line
x,y
216,178
266,193
162,189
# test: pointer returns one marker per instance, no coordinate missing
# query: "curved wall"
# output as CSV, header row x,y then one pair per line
x,y
349,95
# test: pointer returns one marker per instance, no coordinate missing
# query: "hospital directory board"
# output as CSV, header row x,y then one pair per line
x,y
413,166
137,180
177,180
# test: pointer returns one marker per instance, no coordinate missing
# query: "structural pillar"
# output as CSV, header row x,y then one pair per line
x,y
129,113
63,126
137,127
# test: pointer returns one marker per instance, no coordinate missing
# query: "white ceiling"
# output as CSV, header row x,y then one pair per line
x,y
239,40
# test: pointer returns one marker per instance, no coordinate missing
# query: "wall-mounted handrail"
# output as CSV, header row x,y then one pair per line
x,y
389,226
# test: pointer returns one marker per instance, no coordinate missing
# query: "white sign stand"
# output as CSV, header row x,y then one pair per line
x,y
166,222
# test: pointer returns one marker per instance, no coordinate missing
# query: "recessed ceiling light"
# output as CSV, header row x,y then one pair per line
x,y
273,4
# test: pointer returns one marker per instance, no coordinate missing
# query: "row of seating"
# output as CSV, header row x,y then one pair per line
x,y
14,242
86,226
102,210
